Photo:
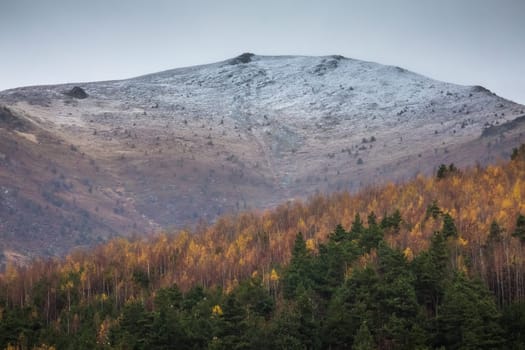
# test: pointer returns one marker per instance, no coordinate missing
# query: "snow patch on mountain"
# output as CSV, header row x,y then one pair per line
x,y
254,130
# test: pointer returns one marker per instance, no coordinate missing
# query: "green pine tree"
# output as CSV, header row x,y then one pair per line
x,y
363,339
519,231
299,270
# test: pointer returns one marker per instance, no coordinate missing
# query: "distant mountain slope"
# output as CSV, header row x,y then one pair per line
x,y
176,146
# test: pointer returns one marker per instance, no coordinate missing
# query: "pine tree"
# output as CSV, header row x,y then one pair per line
x,y
519,231
363,339
518,153
442,171
232,326
299,270
357,227
468,318
513,321
392,222
339,234
398,307
449,227
431,271
135,327
372,235
433,210
332,262
355,302
494,233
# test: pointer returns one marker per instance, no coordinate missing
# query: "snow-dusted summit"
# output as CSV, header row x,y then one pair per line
x,y
252,131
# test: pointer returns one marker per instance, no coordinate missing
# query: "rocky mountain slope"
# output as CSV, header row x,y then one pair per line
x,y
83,162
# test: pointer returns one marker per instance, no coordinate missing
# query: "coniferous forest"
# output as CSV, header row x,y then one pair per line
x,y
434,263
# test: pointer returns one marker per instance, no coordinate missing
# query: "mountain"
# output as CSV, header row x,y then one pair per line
x,y
80,163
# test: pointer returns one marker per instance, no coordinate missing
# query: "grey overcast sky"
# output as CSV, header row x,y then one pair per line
x,y
471,42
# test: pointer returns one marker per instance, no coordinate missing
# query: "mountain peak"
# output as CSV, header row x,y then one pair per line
x,y
170,147
243,58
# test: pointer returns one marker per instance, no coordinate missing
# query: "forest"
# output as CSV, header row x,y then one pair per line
x,y
437,262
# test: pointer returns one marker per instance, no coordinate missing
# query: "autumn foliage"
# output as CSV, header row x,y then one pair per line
x,y
478,210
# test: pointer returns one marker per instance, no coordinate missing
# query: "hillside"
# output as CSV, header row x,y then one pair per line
x,y
81,163
418,274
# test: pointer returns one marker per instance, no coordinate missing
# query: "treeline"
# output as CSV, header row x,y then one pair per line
x,y
353,291
479,210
